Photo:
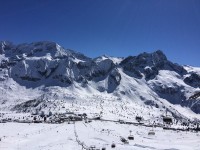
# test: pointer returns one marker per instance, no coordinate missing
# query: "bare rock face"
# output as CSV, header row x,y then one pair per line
x,y
193,80
113,80
148,65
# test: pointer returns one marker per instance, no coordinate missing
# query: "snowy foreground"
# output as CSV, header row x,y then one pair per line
x,y
24,136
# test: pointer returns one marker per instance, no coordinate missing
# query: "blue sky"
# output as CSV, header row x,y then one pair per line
x,y
111,27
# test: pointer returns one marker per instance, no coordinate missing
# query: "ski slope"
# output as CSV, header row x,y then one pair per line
x,y
15,136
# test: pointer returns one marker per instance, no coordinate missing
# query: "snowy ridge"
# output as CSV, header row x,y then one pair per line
x,y
47,77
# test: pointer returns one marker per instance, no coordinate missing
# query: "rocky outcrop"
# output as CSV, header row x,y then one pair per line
x,y
193,80
147,65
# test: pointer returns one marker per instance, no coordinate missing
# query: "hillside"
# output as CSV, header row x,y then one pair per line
x,y
43,76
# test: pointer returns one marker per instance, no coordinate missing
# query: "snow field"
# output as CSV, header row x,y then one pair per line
x,y
16,136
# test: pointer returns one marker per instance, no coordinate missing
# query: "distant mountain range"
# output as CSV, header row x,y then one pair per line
x,y
30,73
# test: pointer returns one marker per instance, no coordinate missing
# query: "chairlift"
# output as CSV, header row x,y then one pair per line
x,y
151,132
131,137
113,145
167,119
138,118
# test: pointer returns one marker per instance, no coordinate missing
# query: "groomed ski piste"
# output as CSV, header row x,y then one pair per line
x,y
94,135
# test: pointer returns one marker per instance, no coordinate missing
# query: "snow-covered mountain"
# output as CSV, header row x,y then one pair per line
x,y
46,76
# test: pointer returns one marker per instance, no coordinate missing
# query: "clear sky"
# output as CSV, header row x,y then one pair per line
x,y
111,27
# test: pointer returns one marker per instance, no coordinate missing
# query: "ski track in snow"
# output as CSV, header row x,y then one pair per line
x,y
101,134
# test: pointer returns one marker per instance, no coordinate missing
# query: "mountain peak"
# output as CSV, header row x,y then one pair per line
x,y
34,49
145,58
159,54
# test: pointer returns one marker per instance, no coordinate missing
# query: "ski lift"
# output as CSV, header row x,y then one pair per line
x,y
138,118
151,132
131,137
113,145
167,119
